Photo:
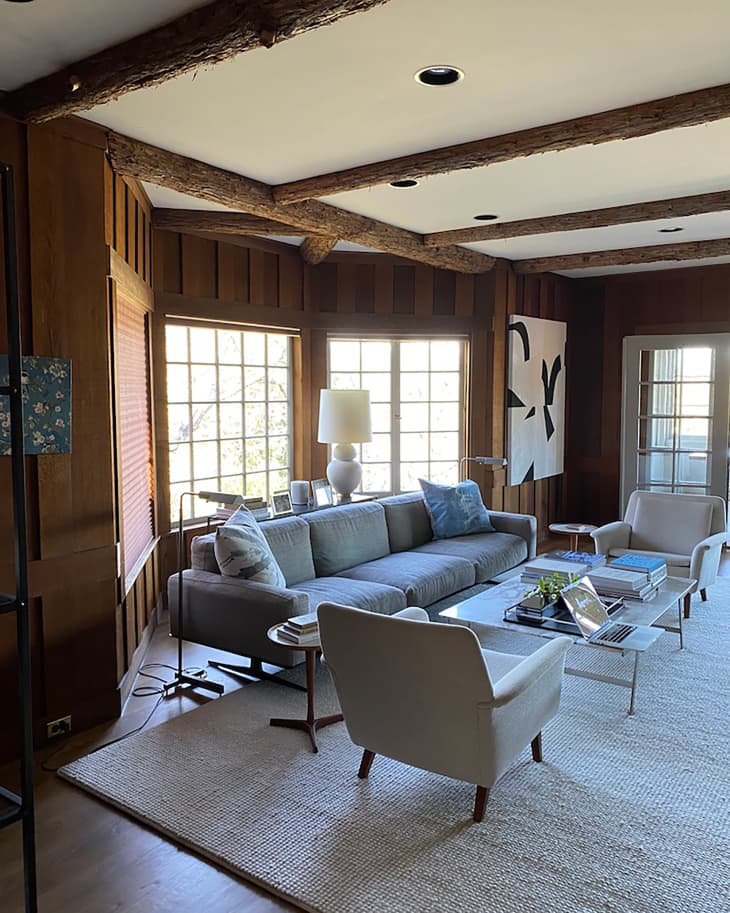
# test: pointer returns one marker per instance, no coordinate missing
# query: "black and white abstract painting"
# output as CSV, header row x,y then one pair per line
x,y
535,398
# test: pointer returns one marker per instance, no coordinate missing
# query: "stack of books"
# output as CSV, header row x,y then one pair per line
x,y
301,630
564,554
654,568
545,566
614,581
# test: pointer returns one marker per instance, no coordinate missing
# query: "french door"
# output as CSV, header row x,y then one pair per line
x,y
676,414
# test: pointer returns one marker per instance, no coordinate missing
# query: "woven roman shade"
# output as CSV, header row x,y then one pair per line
x,y
135,429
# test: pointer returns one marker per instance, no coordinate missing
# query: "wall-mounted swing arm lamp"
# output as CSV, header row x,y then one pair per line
x,y
493,462
182,677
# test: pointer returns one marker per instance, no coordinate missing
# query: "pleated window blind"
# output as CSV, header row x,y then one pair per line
x,y
135,429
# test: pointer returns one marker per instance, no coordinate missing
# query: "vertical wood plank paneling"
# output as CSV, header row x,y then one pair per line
x,y
257,279
318,381
444,293
464,301
383,287
290,282
365,294
131,220
423,291
199,272
346,287
271,280
404,289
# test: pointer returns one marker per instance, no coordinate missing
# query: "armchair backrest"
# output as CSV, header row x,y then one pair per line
x,y
675,523
408,689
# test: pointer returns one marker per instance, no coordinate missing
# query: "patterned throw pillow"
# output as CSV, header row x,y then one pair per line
x,y
455,510
242,551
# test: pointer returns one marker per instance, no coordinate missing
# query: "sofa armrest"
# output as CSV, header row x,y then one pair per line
x,y
231,614
524,525
612,535
705,559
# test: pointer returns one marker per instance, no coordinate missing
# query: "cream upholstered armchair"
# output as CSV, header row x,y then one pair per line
x,y
428,695
687,531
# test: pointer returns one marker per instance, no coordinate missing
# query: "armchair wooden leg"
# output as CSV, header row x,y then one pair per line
x,y
536,745
367,762
703,594
480,802
687,604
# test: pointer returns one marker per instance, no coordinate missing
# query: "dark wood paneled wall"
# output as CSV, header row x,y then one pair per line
x,y
604,311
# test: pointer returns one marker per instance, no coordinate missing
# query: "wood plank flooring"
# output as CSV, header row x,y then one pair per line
x,y
93,859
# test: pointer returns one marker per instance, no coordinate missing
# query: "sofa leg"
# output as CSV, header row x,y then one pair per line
x,y
536,745
253,673
703,594
367,762
480,802
687,604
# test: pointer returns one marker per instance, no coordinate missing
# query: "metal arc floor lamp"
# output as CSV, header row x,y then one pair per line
x,y
182,677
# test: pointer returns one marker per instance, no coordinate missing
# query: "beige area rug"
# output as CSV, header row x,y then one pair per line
x,y
626,815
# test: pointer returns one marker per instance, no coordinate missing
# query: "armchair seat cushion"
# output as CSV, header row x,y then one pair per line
x,y
423,578
375,597
490,553
671,559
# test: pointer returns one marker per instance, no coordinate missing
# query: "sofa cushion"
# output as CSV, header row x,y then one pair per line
x,y
490,553
672,525
423,578
241,550
348,535
202,554
289,541
408,522
375,597
455,510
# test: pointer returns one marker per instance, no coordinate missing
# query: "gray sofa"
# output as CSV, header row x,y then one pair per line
x,y
375,555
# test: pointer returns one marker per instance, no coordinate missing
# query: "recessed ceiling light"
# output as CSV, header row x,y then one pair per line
x,y
486,217
670,231
439,76
406,182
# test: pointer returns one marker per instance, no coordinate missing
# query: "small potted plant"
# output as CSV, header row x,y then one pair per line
x,y
545,593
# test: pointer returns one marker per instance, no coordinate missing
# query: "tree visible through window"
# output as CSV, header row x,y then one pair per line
x,y
228,412
416,391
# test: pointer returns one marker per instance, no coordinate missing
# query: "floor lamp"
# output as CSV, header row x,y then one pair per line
x,y
181,677
494,462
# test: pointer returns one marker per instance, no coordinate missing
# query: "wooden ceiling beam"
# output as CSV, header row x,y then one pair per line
x,y
627,256
315,248
590,218
225,223
687,110
139,160
202,37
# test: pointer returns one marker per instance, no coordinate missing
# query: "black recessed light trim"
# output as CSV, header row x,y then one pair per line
x,y
670,231
486,217
440,75
406,182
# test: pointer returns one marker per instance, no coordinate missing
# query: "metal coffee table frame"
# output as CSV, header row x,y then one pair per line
x,y
487,610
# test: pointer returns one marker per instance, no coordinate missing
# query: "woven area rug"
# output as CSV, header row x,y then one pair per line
x,y
626,815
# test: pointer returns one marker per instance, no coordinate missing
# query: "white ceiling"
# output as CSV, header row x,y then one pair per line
x,y
345,95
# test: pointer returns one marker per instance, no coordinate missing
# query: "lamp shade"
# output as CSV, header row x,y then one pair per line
x,y
344,417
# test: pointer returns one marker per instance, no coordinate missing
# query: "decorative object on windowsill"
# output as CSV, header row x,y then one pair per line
x,y
322,493
281,503
299,490
181,677
344,420
493,462
46,390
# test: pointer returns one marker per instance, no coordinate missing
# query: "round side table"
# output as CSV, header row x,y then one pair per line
x,y
311,724
574,530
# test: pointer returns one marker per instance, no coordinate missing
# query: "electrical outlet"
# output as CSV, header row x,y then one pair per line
x,y
58,727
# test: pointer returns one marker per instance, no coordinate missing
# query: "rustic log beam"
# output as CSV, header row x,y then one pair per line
x,y
627,256
225,223
139,160
202,37
314,248
590,218
687,110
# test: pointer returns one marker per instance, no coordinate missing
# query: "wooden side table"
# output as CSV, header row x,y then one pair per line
x,y
574,530
311,724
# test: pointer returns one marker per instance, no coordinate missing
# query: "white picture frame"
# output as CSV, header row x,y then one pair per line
x,y
281,503
322,492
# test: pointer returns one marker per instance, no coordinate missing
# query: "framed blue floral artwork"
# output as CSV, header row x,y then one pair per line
x,y
46,405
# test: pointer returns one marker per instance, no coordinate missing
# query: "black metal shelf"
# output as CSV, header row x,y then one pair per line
x,y
13,807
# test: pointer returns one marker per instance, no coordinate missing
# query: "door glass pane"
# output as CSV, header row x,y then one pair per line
x,y
655,467
694,468
694,434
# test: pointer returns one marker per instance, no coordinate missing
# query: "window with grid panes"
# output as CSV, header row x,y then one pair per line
x,y
228,395
417,401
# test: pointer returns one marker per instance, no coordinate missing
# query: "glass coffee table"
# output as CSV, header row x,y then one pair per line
x,y
487,610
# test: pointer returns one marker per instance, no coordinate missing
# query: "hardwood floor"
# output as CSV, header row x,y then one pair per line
x,y
93,859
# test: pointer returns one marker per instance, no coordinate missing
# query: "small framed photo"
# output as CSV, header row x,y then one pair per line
x,y
322,491
281,502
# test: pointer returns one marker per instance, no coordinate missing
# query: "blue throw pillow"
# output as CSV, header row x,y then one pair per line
x,y
455,510
241,550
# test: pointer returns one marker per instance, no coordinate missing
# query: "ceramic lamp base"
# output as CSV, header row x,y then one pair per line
x,y
344,472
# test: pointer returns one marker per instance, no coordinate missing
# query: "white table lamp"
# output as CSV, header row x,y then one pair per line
x,y
344,420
